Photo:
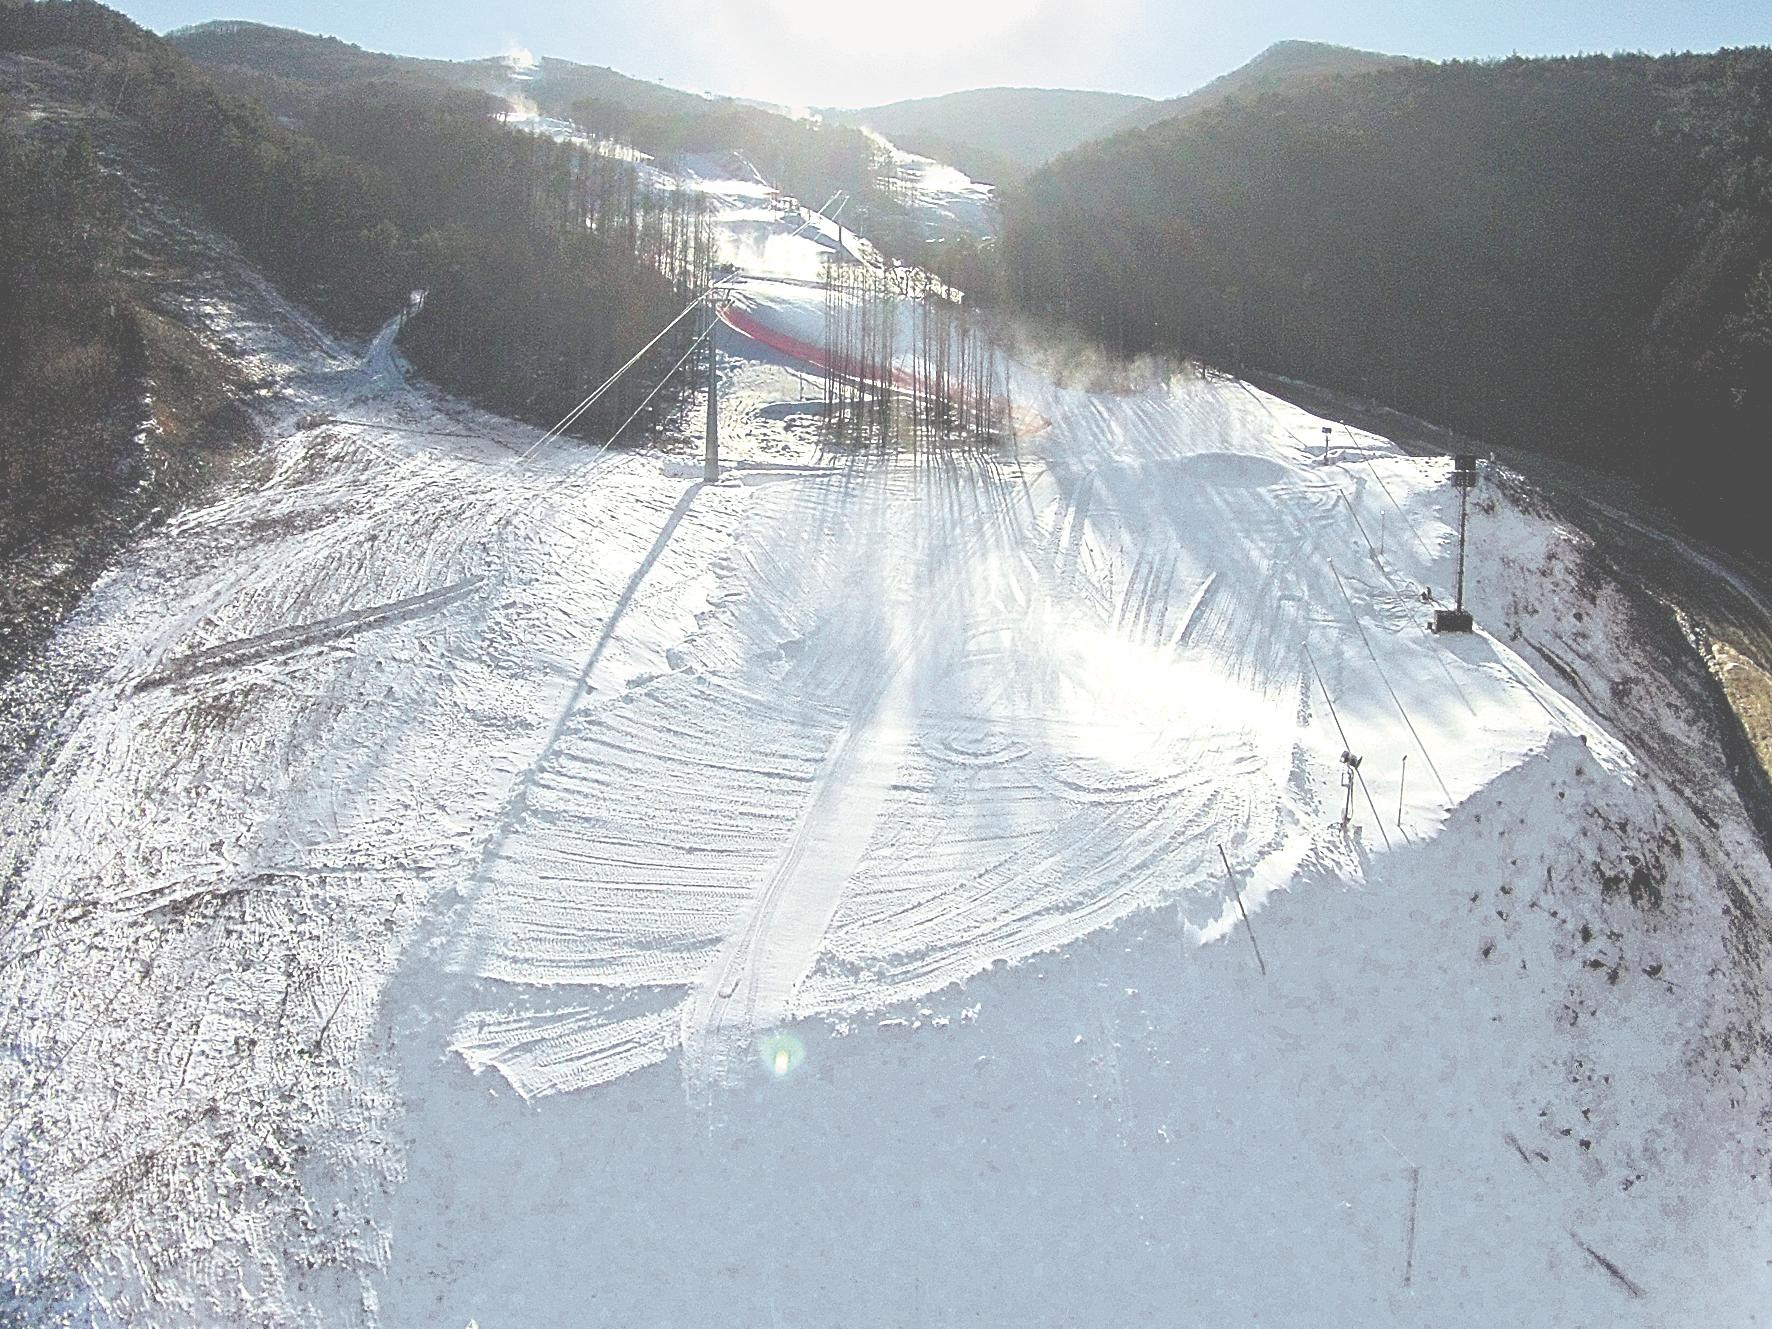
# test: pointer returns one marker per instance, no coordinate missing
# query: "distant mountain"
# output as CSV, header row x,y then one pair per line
x,y
291,70
285,53
1283,67
1008,129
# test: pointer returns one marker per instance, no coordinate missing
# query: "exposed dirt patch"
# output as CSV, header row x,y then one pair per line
x,y
180,427
1749,688
189,431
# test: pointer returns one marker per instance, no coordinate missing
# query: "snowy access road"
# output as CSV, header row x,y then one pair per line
x,y
562,891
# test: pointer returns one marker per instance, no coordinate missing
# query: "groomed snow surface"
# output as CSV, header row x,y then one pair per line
x,y
561,891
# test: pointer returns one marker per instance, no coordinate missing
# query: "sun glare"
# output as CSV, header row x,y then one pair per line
x,y
781,1053
917,27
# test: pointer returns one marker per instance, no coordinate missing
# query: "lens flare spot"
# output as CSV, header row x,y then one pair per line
x,y
781,1054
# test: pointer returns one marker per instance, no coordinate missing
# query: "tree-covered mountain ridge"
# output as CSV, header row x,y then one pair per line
x,y
291,70
1573,255
1288,66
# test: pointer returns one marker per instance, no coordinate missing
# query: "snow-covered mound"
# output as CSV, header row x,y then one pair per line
x,y
887,888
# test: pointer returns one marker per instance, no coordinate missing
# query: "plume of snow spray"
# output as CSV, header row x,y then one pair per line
x,y
1073,360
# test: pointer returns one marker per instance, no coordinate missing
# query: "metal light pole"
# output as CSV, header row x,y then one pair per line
x,y
710,462
1464,517
1464,479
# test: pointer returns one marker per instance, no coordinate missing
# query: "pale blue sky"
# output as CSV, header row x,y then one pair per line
x,y
832,53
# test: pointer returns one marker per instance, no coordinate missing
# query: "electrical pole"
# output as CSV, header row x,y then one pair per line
x,y
710,465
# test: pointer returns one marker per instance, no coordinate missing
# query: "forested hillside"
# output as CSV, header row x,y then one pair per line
x,y
69,344
802,157
1572,255
552,250
546,266
297,72
292,72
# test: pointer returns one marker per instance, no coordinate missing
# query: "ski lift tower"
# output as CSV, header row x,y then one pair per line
x,y
1464,479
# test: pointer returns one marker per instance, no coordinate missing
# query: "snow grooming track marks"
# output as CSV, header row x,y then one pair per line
x,y
752,982
907,674
950,710
960,708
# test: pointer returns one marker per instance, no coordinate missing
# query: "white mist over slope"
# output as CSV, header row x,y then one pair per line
x,y
565,892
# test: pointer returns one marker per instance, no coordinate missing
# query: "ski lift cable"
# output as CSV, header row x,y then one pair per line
x,y
1346,747
589,461
572,416
596,395
1371,466
1384,678
647,401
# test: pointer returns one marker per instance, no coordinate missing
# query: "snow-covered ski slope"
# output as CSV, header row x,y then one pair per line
x,y
560,891
948,203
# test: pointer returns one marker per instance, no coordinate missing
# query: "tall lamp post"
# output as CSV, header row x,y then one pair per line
x,y
1464,479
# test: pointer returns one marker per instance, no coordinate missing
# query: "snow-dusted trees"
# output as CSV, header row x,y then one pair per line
x,y
809,159
548,265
